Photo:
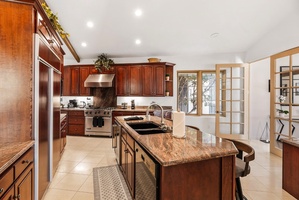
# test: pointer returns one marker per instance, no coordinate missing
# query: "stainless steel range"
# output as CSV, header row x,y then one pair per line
x,y
98,121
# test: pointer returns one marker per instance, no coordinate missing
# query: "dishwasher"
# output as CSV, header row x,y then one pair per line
x,y
146,175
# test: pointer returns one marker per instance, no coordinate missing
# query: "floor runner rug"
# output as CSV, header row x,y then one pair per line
x,y
109,184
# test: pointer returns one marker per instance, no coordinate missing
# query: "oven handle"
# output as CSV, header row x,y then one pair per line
x,y
115,132
100,116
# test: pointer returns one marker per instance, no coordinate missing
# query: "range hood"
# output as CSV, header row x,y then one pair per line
x,y
99,80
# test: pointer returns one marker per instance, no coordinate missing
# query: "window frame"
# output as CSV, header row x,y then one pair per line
x,y
199,90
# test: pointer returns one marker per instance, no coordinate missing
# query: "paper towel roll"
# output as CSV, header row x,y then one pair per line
x,y
178,123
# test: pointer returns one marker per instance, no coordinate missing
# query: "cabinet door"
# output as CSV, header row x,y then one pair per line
x,y
84,73
123,158
121,80
135,80
159,80
9,195
66,82
24,185
75,81
130,168
148,81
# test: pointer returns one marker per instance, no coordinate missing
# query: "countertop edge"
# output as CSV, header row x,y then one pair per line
x,y
294,142
16,156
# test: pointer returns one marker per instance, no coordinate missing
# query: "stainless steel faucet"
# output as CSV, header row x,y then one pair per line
x,y
147,112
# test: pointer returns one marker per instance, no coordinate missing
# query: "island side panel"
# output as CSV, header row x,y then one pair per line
x,y
290,169
208,179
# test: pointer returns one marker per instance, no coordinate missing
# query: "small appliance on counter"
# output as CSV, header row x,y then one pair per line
x,y
82,104
72,104
132,104
124,105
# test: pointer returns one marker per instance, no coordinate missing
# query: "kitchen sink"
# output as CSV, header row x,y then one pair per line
x,y
145,128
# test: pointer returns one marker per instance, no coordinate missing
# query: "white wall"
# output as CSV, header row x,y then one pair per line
x,y
281,38
259,108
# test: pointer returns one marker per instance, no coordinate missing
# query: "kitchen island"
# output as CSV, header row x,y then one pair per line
x,y
200,166
290,166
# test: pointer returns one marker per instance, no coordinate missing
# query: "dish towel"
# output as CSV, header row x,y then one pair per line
x,y
95,121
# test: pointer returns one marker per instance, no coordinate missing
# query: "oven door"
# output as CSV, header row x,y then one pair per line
x,y
104,130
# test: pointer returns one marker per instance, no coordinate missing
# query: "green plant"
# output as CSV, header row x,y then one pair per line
x,y
54,20
282,111
103,62
167,75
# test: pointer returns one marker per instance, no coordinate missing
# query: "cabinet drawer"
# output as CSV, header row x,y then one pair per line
x,y
76,113
5,181
130,141
76,129
23,162
76,120
124,134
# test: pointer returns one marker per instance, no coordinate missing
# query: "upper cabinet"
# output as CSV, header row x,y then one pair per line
x,y
74,77
144,79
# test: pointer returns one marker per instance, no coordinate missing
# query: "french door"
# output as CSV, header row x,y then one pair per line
x,y
284,112
232,101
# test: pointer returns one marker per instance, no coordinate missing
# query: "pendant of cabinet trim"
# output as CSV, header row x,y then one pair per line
x,y
143,79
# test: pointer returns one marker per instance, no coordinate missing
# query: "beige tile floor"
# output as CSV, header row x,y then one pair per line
x,y
73,179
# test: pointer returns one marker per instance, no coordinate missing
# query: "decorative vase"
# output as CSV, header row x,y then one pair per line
x,y
167,93
167,78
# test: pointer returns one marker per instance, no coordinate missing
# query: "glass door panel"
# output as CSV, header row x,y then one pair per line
x,y
232,90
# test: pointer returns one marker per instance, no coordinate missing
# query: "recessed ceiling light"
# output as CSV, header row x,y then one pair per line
x,y
214,35
138,12
89,24
138,42
83,44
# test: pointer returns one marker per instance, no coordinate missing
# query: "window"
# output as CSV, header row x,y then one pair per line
x,y
197,92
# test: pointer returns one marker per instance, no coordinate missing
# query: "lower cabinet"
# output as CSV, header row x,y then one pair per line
x,y
76,122
18,181
127,160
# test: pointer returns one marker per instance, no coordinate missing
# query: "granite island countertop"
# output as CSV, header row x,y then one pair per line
x,y
168,150
10,152
292,141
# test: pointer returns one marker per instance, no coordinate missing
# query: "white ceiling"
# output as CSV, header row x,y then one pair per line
x,y
168,27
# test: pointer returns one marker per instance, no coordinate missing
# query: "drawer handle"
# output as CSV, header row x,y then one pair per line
x,y
1,190
25,161
17,197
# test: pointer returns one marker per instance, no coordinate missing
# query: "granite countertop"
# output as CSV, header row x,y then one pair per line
x,y
292,141
168,150
10,152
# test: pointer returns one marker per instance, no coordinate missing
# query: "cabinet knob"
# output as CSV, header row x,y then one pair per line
x,y
1,190
17,197
25,161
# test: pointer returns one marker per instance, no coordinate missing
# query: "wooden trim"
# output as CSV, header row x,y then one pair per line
x,y
71,48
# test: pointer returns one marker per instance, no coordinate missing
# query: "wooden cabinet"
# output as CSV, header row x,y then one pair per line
x,y
135,80
64,131
127,159
18,181
73,81
154,80
76,123
143,79
121,82
290,166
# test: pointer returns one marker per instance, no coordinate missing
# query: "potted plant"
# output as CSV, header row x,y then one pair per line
x,y
282,113
103,62
167,77
166,93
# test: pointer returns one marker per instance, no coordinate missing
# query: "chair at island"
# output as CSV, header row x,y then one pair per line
x,y
242,165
